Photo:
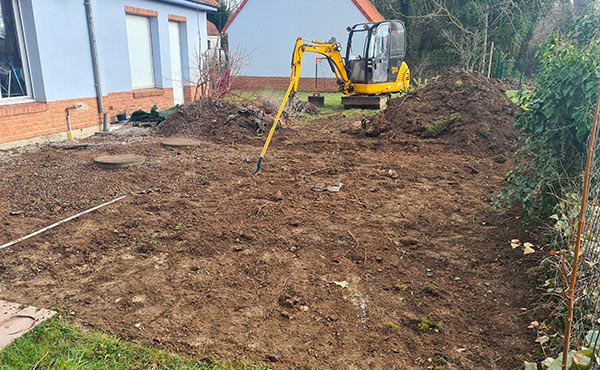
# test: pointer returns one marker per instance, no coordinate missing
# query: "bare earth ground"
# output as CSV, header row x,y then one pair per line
x,y
222,263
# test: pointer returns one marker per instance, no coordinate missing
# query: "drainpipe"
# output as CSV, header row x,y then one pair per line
x,y
95,63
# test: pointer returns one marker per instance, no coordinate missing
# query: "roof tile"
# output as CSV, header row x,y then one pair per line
x,y
212,29
365,7
368,10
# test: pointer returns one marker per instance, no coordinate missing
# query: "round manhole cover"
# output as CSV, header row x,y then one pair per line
x,y
180,142
118,160
16,325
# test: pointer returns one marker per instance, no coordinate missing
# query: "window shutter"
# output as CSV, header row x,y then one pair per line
x,y
140,52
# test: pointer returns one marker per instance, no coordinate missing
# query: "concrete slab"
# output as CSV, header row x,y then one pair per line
x,y
180,142
16,320
118,160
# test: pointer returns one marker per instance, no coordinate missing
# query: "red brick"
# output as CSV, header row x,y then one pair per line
x,y
177,18
138,11
282,83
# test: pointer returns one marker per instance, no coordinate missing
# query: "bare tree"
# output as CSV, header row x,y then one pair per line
x,y
216,71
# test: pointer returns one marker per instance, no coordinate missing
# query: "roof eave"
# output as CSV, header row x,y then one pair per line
x,y
193,5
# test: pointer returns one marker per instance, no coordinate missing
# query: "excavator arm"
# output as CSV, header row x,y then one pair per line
x,y
331,50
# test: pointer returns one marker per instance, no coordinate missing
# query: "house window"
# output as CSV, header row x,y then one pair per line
x,y
139,38
14,77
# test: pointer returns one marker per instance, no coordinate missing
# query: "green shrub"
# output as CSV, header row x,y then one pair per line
x,y
557,119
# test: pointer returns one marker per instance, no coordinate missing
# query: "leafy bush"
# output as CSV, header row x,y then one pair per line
x,y
557,118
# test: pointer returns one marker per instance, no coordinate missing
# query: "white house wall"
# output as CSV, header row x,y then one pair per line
x,y
268,29
59,53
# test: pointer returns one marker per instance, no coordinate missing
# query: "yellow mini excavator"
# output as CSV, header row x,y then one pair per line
x,y
373,68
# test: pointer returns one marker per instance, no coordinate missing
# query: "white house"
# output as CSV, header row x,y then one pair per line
x,y
268,29
90,60
214,36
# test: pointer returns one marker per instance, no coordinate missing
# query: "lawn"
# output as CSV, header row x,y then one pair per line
x,y
57,344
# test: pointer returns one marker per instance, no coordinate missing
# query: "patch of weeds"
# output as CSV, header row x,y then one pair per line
x,y
391,325
457,278
363,112
440,126
177,228
290,143
100,198
427,324
205,179
458,84
203,272
402,287
174,155
430,288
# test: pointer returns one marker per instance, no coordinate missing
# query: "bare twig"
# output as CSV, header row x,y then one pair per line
x,y
354,246
35,366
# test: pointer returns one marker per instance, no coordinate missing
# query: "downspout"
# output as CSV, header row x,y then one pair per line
x,y
95,63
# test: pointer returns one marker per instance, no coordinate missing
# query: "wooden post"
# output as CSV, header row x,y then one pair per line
x,y
491,58
580,224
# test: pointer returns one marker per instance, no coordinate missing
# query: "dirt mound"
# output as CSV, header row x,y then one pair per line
x,y
472,113
220,119
225,120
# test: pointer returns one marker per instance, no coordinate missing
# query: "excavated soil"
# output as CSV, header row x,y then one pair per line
x,y
204,259
215,119
227,122
468,112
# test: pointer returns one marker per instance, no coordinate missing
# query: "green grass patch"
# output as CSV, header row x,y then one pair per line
x,y
59,345
359,112
333,102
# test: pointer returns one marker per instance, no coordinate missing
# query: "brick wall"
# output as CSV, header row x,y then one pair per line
x,y
282,83
29,120
116,103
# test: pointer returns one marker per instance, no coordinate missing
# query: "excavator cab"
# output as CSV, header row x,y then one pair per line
x,y
375,57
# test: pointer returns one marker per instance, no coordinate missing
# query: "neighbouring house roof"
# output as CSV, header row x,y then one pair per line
x,y
365,7
368,10
212,29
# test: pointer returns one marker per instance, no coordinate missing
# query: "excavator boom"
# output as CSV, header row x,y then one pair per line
x,y
332,51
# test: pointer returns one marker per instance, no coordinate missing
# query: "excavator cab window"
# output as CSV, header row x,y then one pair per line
x,y
379,53
357,53
375,52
